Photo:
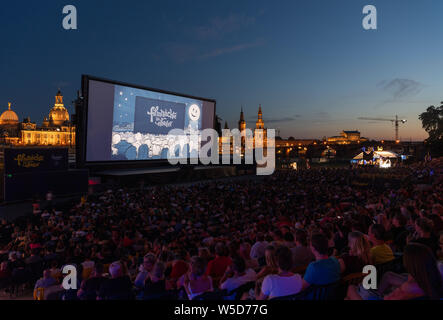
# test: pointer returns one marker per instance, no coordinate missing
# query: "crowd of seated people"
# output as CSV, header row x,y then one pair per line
x,y
275,237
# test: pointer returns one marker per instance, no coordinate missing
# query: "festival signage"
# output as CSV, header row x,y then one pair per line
x,y
158,116
26,160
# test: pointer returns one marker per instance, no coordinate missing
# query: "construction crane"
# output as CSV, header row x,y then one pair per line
x,y
395,121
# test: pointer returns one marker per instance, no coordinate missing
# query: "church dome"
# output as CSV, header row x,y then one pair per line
x,y
58,114
9,116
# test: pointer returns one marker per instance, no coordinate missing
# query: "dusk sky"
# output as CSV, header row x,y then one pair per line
x,y
310,63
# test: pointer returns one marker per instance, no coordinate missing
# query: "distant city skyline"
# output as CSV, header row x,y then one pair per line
x,y
309,63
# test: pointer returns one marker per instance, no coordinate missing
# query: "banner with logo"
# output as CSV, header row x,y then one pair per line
x,y
158,116
25,160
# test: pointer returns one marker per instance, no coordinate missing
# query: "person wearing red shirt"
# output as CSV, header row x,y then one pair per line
x,y
217,267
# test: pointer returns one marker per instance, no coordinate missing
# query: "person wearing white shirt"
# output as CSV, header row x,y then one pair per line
x,y
259,248
285,283
237,275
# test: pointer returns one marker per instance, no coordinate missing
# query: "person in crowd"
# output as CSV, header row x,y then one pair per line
x,y
196,282
324,270
217,267
205,254
118,287
358,255
45,282
245,252
237,275
380,251
258,249
399,231
423,229
89,287
144,270
271,266
284,283
302,255
155,284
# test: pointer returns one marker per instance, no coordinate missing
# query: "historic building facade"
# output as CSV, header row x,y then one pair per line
x,y
259,125
347,137
56,129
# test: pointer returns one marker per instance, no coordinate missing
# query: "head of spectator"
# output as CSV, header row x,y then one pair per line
x,y
245,250
421,265
271,261
359,246
198,267
423,227
149,262
284,259
277,236
377,234
47,274
158,272
301,238
399,220
98,270
289,239
203,252
238,266
221,250
116,269
319,246
260,237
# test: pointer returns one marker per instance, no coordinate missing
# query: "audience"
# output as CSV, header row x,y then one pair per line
x,y
263,229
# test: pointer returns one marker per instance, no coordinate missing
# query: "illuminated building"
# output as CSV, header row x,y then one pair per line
x,y
56,129
259,125
347,137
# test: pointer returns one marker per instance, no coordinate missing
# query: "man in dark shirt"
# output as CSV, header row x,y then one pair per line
x,y
90,287
423,227
399,231
119,287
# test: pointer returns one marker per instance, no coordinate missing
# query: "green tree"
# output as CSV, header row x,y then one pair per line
x,y
432,121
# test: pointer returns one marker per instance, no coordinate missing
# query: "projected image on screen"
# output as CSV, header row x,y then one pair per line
x,y
140,122
143,119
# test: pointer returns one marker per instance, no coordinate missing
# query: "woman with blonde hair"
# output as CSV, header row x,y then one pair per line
x,y
271,267
358,256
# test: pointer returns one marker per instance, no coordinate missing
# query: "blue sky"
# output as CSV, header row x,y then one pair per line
x,y
308,62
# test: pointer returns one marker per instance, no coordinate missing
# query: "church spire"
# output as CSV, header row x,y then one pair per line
x,y
9,105
59,98
242,122
260,124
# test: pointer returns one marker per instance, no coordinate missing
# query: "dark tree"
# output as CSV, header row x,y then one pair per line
x,y
432,121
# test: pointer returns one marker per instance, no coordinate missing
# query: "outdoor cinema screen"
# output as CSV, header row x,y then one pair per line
x,y
129,123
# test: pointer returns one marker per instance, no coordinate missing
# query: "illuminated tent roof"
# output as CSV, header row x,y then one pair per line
x,y
379,154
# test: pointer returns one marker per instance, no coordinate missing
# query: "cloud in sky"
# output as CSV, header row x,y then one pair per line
x,y
401,88
231,49
212,39
220,26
